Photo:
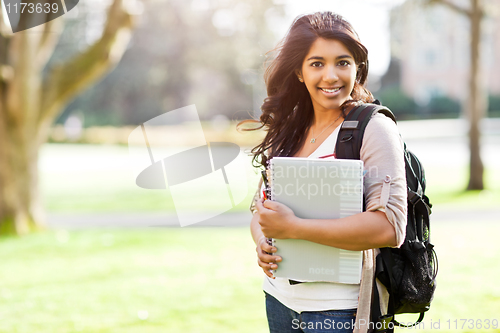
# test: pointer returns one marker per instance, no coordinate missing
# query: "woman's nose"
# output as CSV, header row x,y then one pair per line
x,y
330,74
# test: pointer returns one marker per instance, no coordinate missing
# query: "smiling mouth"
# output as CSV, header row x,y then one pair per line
x,y
330,90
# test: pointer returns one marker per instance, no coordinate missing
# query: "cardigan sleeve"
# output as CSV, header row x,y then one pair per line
x,y
382,152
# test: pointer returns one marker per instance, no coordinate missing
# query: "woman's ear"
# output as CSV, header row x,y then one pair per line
x,y
298,72
358,72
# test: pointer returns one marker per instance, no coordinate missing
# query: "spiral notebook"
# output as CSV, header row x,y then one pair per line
x,y
318,189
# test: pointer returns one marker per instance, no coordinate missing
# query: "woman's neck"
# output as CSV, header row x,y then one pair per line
x,y
323,119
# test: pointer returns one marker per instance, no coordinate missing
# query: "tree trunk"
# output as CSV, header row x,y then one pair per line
x,y
29,103
20,91
20,207
475,105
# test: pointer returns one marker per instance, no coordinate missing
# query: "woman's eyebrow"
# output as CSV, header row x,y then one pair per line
x,y
321,58
316,58
344,56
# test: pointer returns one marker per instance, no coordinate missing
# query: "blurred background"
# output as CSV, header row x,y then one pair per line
x,y
83,249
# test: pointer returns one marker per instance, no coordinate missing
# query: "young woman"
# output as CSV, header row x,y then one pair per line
x,y
315,79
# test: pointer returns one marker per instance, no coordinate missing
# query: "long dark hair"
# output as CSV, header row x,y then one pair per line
x,y
287,112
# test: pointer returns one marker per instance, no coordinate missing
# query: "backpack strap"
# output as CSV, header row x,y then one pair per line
x,y
353,128
379,322
348,146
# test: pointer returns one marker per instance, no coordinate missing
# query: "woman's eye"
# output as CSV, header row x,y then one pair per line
x,y
344,63
316,64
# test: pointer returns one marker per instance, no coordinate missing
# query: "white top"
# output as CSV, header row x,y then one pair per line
x,y
314,296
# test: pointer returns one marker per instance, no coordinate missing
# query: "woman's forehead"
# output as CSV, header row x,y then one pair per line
x,y
328,48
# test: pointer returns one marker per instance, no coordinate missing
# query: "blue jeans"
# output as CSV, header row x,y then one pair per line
x,y
284,320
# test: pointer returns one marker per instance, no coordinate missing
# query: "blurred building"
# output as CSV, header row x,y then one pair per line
x,y
430,50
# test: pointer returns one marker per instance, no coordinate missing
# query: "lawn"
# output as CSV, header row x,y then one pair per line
x,y
201,280
164,280
467,294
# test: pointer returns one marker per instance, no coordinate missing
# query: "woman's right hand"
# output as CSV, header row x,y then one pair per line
x,y
265,258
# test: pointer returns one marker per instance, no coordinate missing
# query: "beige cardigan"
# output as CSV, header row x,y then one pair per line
x,y
385,190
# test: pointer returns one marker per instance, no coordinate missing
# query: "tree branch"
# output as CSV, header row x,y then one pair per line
x,y
6,71
67,80
50,36
451,5
4,28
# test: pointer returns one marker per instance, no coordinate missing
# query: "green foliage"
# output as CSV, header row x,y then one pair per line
x,y
443,107
494,105
180,54
403,106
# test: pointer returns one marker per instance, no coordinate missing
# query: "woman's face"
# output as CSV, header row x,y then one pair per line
x,y
329,73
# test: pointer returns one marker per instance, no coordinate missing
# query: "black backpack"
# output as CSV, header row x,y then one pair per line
x,y
407,272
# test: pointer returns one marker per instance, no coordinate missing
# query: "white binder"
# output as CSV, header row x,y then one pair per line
x,y
317,189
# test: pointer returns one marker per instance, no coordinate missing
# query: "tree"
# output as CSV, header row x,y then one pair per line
x,y
31,99
184,54
476,102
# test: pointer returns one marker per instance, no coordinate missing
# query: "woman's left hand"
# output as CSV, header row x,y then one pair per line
x,y
276,220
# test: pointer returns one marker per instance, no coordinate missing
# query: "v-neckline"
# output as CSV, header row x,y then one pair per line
x,y
335,131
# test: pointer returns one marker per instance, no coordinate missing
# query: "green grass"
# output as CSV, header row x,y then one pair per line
x,y
94,178
467,289
199,280
182,280
446,188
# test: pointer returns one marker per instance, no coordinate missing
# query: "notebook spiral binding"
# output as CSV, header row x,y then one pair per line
x,y
270,173
270,194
